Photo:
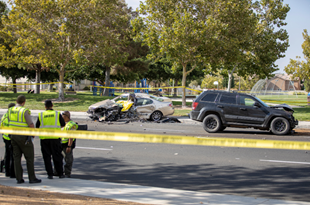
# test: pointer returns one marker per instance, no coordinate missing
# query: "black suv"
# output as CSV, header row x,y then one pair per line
x,y
220,109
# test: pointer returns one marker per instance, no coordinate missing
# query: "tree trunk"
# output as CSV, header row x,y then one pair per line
x,y
175,89
230,75
38,76
14,86
183,88
229,81
107,81
51,87
61,84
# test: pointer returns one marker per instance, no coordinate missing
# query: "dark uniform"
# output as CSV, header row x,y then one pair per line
x,y
51,146
19,116
8,157
68,155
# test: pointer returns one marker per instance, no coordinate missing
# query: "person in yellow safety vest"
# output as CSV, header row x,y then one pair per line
x,y
51,145
19,116
68,144
8,156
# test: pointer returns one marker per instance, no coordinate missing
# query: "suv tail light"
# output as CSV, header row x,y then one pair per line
x,y
170,104
194,105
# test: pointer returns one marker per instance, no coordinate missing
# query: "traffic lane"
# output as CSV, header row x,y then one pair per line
x,y
253,172
224,170
191,130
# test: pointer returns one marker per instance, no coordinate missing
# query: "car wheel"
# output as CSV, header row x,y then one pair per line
x,y
156,116
212,123
280,126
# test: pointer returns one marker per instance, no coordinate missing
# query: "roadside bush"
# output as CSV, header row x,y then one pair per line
x,y
3,88
301,93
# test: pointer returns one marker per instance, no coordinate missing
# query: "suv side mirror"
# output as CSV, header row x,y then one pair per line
x,y
256,104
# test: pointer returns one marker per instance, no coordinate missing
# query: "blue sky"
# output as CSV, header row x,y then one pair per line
x,y
297,20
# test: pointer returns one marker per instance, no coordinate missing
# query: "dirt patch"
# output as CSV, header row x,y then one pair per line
x,y
179,107
302,132
55,100
13,195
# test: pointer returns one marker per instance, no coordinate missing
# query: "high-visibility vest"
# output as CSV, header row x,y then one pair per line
x,y
49,119
16,116
69,126
5,123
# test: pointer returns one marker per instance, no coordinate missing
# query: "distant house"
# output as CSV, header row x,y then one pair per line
x,y
283,82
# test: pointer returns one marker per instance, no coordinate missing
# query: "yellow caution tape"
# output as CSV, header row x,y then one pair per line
x,y
154,138
199,91
153,88
31,83
133,88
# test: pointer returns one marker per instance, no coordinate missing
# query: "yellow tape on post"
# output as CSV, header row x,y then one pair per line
x,y
98,86
168,139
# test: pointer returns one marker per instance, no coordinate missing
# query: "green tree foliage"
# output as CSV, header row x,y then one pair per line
x,y
14,72
134,68
193,32
299,68
226,81
208,82
307,85
129,63
59,33
159,71
265,42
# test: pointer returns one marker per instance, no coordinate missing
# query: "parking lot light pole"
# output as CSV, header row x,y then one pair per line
x,y
216,83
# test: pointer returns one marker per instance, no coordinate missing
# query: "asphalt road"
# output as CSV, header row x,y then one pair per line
x,y
277,174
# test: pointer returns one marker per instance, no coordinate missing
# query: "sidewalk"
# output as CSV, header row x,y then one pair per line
x,y
139,194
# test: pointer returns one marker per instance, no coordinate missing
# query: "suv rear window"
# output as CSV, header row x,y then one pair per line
x,y
210,97
228,99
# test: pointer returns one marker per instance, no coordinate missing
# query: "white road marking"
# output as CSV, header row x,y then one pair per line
x,y
92,148
164,130
288,162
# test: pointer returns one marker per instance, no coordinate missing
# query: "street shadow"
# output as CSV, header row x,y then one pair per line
x,y
234,180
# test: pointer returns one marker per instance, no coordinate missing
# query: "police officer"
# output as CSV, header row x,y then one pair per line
x,y
51,146
19,116
8,159
68,144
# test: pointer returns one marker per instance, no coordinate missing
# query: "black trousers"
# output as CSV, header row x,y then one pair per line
x,y
8,159
51,148
19,148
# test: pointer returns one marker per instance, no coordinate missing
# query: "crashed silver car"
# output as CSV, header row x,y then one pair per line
x,y
131,106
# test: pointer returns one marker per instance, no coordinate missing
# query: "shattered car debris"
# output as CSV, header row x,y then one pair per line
x,y
131,106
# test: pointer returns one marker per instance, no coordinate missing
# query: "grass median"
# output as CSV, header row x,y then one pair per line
x,y
81,102
77,103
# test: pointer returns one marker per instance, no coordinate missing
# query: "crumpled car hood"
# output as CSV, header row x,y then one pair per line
x,y
104,104
284,106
